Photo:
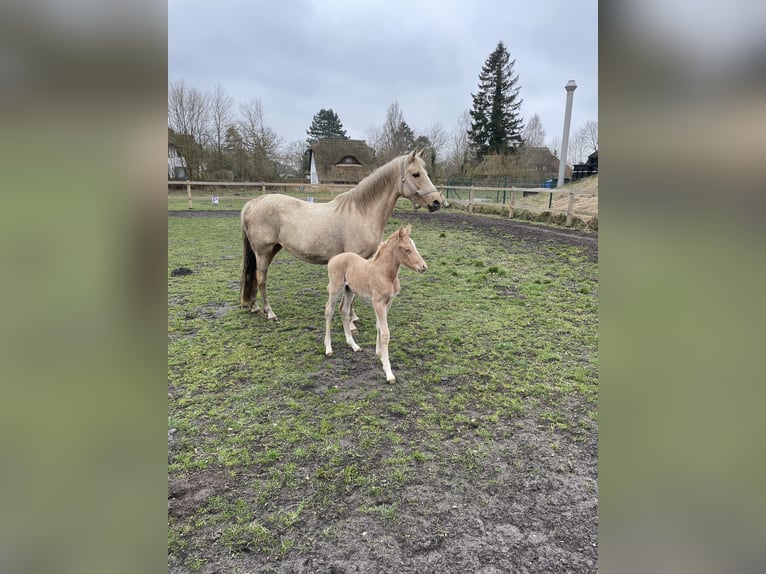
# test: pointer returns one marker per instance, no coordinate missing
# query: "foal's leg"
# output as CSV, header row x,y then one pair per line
x,y
333,296
348,325
381,319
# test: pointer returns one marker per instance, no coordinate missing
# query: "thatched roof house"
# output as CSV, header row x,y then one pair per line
x,y
540,163
340,161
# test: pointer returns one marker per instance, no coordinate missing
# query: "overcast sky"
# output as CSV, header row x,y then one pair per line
x,y
358,57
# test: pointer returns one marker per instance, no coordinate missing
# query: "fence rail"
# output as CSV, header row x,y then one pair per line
x,y
509,196
263,185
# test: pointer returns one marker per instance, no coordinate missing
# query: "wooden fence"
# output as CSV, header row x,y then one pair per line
x,y
516,193
510,195
262,186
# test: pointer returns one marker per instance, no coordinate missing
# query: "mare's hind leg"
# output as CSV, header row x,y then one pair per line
x,y
264,258
345,313
353,318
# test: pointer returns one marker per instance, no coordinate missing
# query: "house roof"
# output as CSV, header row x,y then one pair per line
x,y
342,161
542,159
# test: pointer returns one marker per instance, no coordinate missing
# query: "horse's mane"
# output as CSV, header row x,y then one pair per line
x,y
369,189
393,237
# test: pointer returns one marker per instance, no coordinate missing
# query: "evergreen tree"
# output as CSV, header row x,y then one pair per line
x,y
326,124
404,138
496,125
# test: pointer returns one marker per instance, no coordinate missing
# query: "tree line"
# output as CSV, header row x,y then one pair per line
x,y
223,141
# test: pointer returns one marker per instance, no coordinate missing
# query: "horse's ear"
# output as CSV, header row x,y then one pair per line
x,y
420,153
411,156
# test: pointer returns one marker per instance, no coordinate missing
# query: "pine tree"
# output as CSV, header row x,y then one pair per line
x,y
496,125
326,124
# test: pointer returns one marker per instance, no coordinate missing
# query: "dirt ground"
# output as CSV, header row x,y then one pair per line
x,y
531,506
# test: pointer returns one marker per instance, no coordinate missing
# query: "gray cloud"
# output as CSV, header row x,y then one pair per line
x,y
359,57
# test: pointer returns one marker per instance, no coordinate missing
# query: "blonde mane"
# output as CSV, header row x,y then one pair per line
x,y
367,191
379,250
382,245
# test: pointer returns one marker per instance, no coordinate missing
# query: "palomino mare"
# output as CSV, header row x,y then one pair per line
x,y
314,232
376,280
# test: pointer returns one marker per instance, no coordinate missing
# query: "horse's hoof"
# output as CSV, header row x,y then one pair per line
x,y
328,354
391,381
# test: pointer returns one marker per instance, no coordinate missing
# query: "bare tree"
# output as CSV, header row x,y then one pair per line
x,y
554,145
576,148
534,133
189,117
221,117
395,137
583,143
294,155
439,139
459,145
260,141
590,136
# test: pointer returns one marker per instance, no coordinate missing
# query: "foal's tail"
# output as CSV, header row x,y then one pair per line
x,y
248,287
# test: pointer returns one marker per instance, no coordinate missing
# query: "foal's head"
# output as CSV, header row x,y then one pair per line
x,y
406,252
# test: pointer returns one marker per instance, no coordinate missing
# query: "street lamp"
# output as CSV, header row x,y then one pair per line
x,y
570,88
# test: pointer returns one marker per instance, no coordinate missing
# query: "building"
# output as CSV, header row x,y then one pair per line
x,y
541,164
340,161
176,163
590,167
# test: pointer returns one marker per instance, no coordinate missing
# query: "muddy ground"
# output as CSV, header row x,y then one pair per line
x,y
531,506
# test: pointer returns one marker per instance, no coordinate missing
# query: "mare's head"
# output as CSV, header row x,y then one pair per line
x,y
407,253
416,185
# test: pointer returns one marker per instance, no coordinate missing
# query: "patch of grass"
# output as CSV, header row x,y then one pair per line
x,y
489,336
385,511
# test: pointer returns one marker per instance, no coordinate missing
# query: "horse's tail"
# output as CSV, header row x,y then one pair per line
x,y
248,287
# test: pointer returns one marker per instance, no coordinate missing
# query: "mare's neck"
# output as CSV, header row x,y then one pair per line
x,y
384,207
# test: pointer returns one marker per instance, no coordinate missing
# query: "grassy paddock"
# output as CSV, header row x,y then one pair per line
x,y
494,338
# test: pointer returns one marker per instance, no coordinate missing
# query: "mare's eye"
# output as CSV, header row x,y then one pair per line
x,y
416,174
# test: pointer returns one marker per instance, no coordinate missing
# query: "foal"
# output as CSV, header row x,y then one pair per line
x,y
376,280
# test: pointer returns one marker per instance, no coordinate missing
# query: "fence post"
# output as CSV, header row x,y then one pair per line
x,y
263,189
513,201
470,199
570,207
188,193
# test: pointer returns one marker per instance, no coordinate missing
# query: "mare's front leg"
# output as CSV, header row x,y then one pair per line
x,y
349,295
381,348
